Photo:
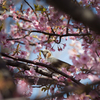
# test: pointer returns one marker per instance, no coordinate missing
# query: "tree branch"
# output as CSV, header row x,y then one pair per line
x,y
44,65
52,34
16,64
75,89
78,13
26,67
31,44
21,18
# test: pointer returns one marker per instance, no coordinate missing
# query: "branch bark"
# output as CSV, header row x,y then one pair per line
x,y
44,65
52,34
78,13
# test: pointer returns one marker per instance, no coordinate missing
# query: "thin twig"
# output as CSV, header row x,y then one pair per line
x,y
31,8
20,37
67,26
31,44
21,18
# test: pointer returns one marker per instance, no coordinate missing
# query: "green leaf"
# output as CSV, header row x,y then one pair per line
x,y
98,40
39,8
4,7
1,26
40,53
43,10
17,24
21,7
35,36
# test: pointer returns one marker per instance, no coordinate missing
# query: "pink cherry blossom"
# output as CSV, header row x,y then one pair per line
x,y
93,94
81,76
93,78
23,54
24,88
1,18
84,59
76,63
52,89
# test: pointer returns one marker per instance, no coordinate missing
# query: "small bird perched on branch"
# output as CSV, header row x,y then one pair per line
x,y
54,61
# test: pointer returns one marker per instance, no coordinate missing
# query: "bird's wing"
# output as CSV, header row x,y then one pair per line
x,y
61,64
58,63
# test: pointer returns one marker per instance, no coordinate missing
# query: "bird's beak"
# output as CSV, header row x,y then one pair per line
x,y
41,51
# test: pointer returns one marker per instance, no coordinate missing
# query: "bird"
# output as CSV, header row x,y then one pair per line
x,y
54,61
